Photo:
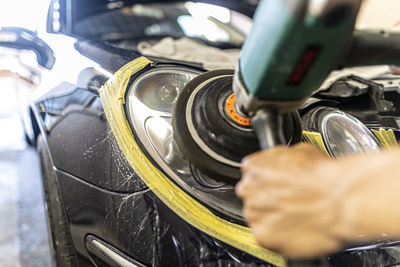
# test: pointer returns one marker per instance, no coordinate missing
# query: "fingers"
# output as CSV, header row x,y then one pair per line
x,y
291,240
286,197
261,158
309,245
265,180
299,155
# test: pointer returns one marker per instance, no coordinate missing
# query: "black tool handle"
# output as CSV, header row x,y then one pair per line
x,y
268,126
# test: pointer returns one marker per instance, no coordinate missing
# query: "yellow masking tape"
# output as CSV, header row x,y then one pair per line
x,y
385,137
112,97
315,139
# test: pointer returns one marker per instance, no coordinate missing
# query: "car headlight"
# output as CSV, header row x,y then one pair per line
x,y
149,103
342,133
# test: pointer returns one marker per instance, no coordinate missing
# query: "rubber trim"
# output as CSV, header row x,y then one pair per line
x,y
186,207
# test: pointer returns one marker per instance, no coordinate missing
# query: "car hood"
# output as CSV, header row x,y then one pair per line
x,y
63,13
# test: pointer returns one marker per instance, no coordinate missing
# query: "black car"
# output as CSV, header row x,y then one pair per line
x,y
118,190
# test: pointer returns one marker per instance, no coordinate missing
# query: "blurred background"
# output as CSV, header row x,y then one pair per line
x,y
25,14
23,229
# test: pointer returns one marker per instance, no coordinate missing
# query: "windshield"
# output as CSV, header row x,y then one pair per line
x,y
210,23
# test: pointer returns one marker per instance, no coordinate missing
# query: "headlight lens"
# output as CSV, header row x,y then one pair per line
x,y
158,90
150,99
343,134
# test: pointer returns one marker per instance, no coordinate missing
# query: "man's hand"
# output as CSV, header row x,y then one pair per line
x,y
303,204
291,200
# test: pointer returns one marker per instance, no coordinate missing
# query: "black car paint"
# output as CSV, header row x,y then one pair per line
x,y
88,152
104,197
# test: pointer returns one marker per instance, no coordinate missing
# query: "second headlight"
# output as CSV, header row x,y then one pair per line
x,y
342,133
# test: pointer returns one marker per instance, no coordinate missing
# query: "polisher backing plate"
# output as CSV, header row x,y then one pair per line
x,y
203,131
207,135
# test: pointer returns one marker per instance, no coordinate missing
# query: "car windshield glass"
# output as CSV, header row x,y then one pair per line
x,y
210,23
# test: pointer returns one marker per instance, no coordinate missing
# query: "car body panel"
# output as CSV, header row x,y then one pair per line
x,y
150,233
89,152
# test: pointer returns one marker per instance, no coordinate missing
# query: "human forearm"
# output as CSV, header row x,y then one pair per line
x,y
370,198
319,203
